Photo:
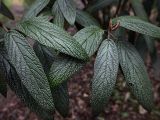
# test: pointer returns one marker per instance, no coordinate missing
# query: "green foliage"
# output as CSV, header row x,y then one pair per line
x,y
135,74
62,69
53,36
85,19
5,11
99,4
61,99
105,73
136,24
3,83
57,14
90,38
68,10
39,74
35,8
29,69
140,12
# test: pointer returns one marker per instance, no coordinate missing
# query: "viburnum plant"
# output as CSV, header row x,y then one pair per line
x,y
38,73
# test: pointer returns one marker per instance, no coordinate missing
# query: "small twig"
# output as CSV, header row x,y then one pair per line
x,y
5,28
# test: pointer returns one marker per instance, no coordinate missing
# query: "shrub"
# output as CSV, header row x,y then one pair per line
x,y
38,74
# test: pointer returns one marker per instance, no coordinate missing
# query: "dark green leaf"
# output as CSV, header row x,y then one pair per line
x,y
135,24
58,16
35,8
150,41
29,69
45,55
17,86
3,84
141,46
68,10
5,11
62,69
105,73
90,38
100,4
140,12
120,33
61,99
139,9
85,19
22,92
3,81
156,69
52,36
135,74
60,93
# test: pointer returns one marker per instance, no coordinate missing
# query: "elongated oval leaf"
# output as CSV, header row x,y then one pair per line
x,y
68,10
62,69
99,4
61,99
135,74
141,47
58,16
139,9
35,8
140,12
52,36
45,55
22,92
5,11
105,73
150,41
17,86
29,69
85,19
90,38
135,24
